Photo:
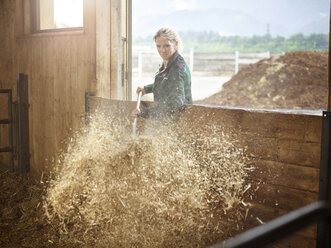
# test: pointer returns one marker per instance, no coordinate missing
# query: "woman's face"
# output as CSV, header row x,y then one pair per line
x,y
165,47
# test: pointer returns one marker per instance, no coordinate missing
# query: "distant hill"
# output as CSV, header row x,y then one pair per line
x,y
220,20
237,17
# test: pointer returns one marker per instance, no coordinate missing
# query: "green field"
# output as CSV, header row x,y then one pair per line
x,y
213,42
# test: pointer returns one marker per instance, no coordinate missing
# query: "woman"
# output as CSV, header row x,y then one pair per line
x,y
172,83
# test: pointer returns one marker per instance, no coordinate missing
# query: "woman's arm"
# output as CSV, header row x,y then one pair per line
x,y
174,96
148,88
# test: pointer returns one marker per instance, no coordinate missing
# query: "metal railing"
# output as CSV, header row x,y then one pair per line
x,y
285,225
280,227
18,126
9,122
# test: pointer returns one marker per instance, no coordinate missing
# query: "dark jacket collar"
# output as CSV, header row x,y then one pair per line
x,y
171,61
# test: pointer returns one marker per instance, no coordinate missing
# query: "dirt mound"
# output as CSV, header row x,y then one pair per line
x,y
295,80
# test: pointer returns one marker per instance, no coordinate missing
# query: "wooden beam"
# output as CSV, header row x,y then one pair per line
x,y
115,52
329,67
45,14
23,123
103,48
129,40
19,18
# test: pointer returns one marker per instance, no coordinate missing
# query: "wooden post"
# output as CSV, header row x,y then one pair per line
x,y
140,64
329,68
103,49
236,68
46,14
191,59
23,123
324,227
9,121
116,91
10,130
129,47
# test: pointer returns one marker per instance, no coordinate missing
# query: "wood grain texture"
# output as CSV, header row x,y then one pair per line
x,y
283,148
103,51
115,46
61,67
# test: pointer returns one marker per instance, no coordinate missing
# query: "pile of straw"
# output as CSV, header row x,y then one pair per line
x,y
158,189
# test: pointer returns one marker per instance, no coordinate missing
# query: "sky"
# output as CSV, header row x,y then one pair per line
x,y
285,17
68,12
280,14
159,7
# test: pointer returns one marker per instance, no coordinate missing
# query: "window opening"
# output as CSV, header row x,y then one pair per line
x,y
59,14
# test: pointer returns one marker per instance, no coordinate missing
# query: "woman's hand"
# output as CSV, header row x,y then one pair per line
x,y
136,112
141,89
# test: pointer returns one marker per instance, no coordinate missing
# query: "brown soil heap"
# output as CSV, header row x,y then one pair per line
x,y
295,80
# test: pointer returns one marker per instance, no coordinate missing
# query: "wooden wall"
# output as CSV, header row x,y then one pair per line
x,y
61,67
7,78
285,151
283,148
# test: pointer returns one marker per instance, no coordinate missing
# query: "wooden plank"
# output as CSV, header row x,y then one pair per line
x,y
48,78
260,147
115,51
23,124
329,69
283,126
287,175
305,128
297,152
259,213
19,18
58,75
270,139
294,241
103,52
46,16
27,17
42,118
280,197
267,202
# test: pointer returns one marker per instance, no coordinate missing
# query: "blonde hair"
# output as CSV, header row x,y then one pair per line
x,y
168,34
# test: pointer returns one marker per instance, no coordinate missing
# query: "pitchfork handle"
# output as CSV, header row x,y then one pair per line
x,y
135,118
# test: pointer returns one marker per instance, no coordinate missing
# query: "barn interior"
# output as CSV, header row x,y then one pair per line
x,y
73,175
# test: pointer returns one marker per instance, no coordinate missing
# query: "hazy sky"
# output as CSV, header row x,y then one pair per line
x,y
69,13
159,7
280,14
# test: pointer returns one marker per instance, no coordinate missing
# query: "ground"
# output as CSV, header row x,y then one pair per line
x,y
202,86
22,222
295,80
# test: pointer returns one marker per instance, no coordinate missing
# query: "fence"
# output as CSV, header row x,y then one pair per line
x,y
146,62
